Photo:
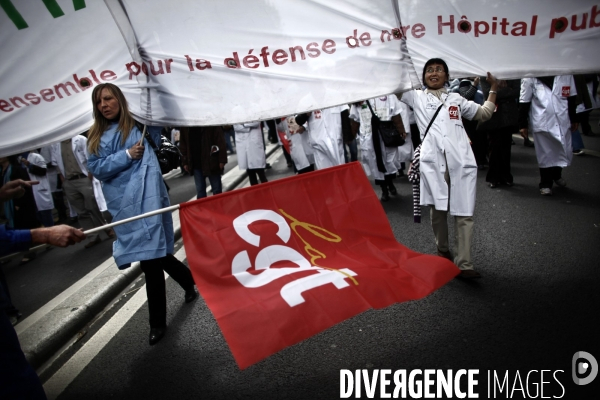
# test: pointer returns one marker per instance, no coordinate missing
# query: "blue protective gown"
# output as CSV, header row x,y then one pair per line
x,y
131,188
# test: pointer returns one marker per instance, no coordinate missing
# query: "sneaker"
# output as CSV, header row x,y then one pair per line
x,y
546,192
528,143
561,182
385,197
577,152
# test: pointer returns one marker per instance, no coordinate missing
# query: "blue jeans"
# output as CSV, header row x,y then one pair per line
x,y
353,151
200,179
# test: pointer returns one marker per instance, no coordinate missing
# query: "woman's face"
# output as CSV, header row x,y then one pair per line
x,y
108,104
435,76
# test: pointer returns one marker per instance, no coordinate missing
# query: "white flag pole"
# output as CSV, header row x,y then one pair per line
x,y
124,221
142,138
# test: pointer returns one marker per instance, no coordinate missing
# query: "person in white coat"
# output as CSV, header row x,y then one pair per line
x,y
448,169
378,160
406,151
327,129
250,150
55,188
37,169
300,150
71,157
548,104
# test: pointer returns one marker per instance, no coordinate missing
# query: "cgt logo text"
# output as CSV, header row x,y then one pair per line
x,y
464,384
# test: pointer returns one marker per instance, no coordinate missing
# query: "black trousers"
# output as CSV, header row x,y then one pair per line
x,y
155,285
500,147
310,168
388,182
479,143
252,172
548,175
415,135
584,120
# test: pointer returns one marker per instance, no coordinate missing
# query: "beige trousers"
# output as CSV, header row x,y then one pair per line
x,y
463,231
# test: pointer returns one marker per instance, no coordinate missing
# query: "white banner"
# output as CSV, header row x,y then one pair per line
x,y
46,49
510,38
216,62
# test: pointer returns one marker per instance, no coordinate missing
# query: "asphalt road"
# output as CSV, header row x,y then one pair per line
x,y
536,305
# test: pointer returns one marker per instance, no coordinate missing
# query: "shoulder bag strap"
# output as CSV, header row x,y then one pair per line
x,y
372,112
432,119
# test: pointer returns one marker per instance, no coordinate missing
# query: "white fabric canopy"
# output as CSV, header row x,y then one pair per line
x,y
223,62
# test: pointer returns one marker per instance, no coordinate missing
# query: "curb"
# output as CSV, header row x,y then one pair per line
x,y
46,336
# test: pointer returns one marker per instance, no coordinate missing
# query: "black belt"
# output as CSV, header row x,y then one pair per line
x,y
78,176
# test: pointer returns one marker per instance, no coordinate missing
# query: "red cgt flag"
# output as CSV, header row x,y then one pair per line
x,y
281,261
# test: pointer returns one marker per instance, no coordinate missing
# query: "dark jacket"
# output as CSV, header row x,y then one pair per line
x,y
209,136
25,208
507,106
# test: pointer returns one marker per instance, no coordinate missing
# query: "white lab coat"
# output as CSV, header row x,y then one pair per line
x,y
79,147
385,107
175,135
447,136
52,173
250,146
325,136
41,191
549,119
407,150
99,195
300,150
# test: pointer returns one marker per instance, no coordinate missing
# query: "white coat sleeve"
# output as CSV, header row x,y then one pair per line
x,y
408,98
354,114
571,81
527,90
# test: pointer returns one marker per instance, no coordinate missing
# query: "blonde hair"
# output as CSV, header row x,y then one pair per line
x,y
126,121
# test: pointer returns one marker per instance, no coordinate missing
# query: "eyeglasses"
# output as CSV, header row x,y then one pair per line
x,y
432,70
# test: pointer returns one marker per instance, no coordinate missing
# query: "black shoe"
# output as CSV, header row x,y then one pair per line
x,y
268,166
14,317
468,274
446,254
156,334
191,295
528,143
385,197
393,190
